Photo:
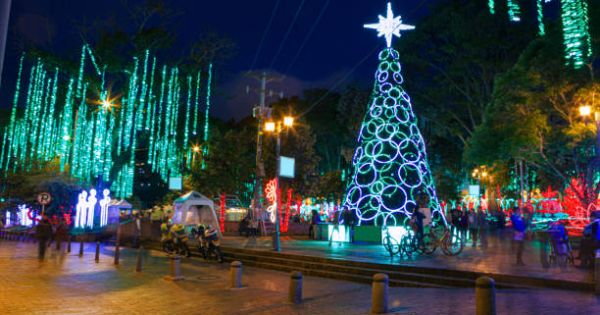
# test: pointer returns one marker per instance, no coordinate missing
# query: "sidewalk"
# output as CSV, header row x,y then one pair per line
x,y
68,284
497,258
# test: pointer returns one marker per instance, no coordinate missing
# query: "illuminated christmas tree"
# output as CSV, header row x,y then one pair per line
x,y
390,162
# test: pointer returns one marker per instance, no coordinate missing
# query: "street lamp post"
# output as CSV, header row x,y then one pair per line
x,y
276,128
585,112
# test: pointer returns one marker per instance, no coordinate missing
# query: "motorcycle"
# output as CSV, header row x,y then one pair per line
x,y
176,244
208,243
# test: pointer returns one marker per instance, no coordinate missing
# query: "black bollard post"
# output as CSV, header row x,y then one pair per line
x,y
295,290
485,296
81,248
138,265
97,252
117,254
69,244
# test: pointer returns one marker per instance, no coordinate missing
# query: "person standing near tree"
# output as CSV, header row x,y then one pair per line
x,y
43,232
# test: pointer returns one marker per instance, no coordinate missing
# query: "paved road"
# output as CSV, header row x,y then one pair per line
x,y
67,284
496,258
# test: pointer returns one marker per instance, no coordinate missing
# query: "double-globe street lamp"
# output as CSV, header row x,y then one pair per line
x,y
276,127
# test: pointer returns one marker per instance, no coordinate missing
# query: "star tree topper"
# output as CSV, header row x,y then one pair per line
x,y
389,26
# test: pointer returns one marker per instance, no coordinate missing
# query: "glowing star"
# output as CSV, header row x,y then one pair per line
x,y
389,26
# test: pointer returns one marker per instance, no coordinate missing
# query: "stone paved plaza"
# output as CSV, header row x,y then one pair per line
x,y
67,284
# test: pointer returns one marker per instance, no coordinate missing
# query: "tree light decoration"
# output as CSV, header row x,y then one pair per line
x,y
389,26
271,196
222,213
577,40
94,136
492,6
390,168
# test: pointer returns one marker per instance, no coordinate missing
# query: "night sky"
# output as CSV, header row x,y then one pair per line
x,y
335,48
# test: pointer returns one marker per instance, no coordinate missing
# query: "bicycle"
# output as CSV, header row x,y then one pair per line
x,y
451,244
389,243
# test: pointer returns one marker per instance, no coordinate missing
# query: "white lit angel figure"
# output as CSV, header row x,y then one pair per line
x,y
104,207
91,206
81,209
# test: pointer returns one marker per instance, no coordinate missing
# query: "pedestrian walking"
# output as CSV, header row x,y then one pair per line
x,y
336,226
43,232
473,225
519,227
314,220
61,233
349,221
483,227
463,225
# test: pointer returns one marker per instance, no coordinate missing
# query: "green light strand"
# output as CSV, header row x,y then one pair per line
x,y
540,18
514,10
196,103
187,113
577,40
13,115
150,113
492,6
66,127
206,120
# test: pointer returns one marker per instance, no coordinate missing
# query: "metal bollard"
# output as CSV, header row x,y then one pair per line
x,y
597,271
379,294
97,252
235,275
138,265
174,268
295,290
485,296
69,244
117,253
81,248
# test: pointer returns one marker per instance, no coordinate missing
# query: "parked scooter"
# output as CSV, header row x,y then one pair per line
x,y
176,242
208,242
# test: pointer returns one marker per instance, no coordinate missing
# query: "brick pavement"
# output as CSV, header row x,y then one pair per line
x,y
68,284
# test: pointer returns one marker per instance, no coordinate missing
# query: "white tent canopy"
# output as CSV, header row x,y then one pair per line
x,y
195,208
114,208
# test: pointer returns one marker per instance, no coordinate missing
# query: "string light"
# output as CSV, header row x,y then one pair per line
x,y
86,135
577,40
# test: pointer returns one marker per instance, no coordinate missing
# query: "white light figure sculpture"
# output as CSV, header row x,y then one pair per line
x,y
389,26
91,207
81,209
104,207
7,218
23,217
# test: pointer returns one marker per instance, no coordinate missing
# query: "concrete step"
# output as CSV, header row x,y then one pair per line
x,y
291,264
432,276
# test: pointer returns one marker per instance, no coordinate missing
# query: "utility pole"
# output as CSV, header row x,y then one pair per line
x,y
261,113
4,16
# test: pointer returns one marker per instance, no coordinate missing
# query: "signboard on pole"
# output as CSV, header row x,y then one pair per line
x,y
286,167
44,198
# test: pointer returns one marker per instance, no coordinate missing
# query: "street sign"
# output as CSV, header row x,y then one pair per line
x,y
286,166
44,198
